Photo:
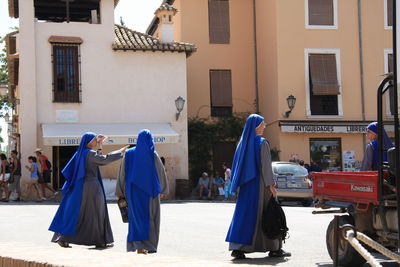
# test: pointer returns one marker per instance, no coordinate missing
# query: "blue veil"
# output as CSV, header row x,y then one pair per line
x,y
244,167
66,217
246,175
142,183
387,143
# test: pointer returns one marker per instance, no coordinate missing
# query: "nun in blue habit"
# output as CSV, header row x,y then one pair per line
x,y
370,160
142,182
82,217
253,179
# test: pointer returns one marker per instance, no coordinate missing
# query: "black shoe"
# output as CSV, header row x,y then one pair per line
x,y
238,255
279,254
17,200
63,244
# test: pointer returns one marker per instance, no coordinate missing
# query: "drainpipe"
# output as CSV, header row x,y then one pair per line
x,y
257,103
360,46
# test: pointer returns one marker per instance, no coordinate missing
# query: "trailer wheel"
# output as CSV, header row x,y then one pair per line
x,y
348,256
306,202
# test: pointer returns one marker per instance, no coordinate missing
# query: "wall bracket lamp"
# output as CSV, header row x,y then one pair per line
x,y
179,103
291,101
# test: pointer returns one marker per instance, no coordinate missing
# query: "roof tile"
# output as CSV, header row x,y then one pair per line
x,y
127,39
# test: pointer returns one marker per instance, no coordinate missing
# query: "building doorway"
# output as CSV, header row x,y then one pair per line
x,y
61,156
222,152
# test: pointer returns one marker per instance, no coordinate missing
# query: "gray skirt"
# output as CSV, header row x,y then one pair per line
x,y
93,226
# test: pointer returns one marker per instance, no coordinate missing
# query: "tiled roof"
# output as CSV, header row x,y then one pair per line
x,y
127,39
167,7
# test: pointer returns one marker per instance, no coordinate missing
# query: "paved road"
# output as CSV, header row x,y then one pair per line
x,y
190,230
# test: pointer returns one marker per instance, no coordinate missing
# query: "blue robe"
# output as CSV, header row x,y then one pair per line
x,y
142,182
66,218
246,176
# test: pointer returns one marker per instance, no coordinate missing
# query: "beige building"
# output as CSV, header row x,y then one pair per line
x,y
72,71
254,54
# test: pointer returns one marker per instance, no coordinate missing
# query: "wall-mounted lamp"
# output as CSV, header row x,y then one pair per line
x,y
179,103
291,101
7,117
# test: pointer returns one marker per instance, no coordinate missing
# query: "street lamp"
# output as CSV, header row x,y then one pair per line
x,y
179,103
291,101
7,117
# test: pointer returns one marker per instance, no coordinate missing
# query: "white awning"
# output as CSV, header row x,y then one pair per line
x,y
118,134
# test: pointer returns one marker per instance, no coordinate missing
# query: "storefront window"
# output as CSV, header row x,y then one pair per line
x,y
327,153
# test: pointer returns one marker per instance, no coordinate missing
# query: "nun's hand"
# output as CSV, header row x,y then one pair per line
x,y
123,149
273,190
162,196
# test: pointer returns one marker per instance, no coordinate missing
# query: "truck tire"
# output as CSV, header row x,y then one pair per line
x,y
306,202
348,256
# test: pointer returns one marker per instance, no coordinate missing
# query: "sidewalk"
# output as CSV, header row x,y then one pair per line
x,y
30,255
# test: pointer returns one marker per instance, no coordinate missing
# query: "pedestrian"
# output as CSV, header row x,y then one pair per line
x,y
34,177
142,182
82,217
4,177
16,175
252,173
217,186
301,163
228,182
314,167
370,160
44,173
204,186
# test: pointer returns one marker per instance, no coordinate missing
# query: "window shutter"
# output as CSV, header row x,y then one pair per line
x,y
323,74
389,12
221,88
390,62
320,12
218,21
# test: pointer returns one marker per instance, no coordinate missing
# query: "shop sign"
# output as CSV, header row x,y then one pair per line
x,y
112,140
301,128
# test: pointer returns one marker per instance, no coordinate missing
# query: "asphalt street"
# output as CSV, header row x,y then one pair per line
x,y
194,230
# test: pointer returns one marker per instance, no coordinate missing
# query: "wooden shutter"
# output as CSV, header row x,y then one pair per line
x,y
320,12
66,87
390,62
221,88
218,21
391,90
323,74
389,12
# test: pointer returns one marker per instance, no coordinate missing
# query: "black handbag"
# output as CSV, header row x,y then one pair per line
x,y
123,208
274,220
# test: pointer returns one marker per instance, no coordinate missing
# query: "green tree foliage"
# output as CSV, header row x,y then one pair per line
x,y
203,133
3,64
5,103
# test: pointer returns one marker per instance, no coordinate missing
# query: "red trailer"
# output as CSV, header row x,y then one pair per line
x,y
358,195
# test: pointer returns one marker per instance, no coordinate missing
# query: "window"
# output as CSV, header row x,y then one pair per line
x,y
68,10
66,85
327,153
323,84
321,14
388,6
389,95
221,93
218,21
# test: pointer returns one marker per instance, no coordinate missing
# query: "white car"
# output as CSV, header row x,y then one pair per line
x,y
292,182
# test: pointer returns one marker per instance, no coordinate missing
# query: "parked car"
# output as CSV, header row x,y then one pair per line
x,y
292,182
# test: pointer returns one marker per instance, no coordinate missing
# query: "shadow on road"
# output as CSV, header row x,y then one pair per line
x,y
384,264
260,261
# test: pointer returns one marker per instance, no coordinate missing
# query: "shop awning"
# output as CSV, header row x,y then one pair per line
x,y
118,134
